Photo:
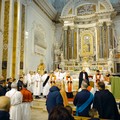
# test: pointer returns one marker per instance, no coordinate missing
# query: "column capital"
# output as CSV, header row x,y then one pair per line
x,y
109,23
100,24
72,27
65,27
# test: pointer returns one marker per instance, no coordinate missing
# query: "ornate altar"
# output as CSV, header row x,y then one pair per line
x,y
41,68
87,36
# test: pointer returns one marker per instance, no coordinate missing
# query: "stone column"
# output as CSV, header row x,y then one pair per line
x,y
96,44
104,41
18,41
78,43
100,40
65,43
109,37
1,34
10,39
72,41
68,43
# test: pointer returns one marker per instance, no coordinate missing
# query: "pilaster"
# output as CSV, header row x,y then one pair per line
x,y
96,44
65,42
1,34
78,43
72,40
18,43
100,40
10,39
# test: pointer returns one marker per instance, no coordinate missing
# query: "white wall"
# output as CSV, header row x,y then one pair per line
x,y
117,26
32,60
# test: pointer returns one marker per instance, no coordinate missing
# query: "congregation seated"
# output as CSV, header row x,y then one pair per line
x,y
87,118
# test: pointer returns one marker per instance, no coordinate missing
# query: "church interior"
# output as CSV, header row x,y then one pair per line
x,y
71,35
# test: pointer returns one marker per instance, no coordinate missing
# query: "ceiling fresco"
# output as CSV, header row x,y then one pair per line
x,y
59,4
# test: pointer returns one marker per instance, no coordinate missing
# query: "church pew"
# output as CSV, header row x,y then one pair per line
x,y
85,118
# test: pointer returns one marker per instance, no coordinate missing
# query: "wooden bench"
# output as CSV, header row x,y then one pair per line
x,y
85,118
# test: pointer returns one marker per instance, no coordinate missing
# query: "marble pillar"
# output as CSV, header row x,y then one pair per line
x,y
18,43
100,41
78,43
65,43
109,37
1,33
10,39
72,41
96,44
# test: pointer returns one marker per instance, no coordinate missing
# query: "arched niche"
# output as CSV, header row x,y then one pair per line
x,y
100,6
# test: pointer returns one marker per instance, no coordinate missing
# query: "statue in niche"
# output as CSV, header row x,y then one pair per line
x,y
110,66
57,52
111,54
62,57
41,68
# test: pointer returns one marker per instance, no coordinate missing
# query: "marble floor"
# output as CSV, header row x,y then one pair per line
x,y
39,114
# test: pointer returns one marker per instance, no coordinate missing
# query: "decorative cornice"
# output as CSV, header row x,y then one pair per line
x,y
117,7
47,8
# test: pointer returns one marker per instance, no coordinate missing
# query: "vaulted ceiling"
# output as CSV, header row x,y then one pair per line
x,y
59,4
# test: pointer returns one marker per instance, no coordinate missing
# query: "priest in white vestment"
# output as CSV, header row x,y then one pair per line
x,y
29,80
46,84
36,88
16,100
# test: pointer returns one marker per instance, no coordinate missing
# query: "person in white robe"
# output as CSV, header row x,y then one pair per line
x,y
46,84
36,88
29,81
16,100
59,75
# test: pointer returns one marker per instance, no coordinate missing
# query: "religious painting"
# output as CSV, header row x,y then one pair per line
x,y
39,39
86,43
86,9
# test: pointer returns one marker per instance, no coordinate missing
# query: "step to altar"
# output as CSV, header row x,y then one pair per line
x,y
39,104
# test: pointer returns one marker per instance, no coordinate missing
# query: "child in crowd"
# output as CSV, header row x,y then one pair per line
x,y
93,113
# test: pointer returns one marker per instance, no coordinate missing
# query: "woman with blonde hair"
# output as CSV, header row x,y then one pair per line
x,y
63,93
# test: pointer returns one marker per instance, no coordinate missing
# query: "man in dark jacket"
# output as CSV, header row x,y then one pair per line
x,y
83,76
20,83
54,98
8,85
105,103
